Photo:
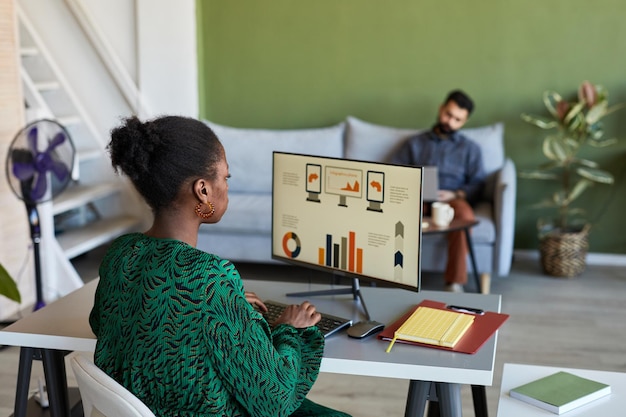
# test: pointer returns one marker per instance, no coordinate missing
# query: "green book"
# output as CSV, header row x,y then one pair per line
x,y
560,392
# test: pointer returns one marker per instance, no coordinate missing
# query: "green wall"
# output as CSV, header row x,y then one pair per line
x,y
292,64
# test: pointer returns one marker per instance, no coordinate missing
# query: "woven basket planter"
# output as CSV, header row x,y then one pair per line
x,y
564,254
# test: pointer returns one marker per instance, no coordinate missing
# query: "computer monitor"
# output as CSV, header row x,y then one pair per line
x,y
353,218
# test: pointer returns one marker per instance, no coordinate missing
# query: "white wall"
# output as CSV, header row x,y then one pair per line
x,y
167,55
117,21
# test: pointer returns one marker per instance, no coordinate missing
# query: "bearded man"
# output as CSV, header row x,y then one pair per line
x,y
460,170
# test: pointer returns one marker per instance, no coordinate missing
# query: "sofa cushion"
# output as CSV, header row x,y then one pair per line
x,y
372,142
491,141
249,151
249,213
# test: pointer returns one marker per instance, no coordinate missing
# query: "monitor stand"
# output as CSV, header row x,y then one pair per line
x,y
366,327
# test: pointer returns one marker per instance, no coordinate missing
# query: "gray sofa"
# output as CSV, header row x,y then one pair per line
x,y
244,233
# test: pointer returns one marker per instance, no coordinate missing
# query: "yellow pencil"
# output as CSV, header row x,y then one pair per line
x,y
391,344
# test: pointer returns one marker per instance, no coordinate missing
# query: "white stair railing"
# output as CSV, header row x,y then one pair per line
x,y
110,58
82,113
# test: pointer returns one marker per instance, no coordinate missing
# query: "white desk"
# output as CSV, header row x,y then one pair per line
x,y
515,375
63,326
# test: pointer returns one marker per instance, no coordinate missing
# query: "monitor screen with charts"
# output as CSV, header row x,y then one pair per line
x,y
354,218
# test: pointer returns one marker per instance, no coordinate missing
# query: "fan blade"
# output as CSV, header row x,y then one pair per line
x,y
23,171
59,169
32,139
58,139
40,187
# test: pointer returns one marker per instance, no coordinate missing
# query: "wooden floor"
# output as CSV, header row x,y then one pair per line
x,y
577,322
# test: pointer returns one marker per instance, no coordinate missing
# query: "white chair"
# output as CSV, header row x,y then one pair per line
x,y
102,396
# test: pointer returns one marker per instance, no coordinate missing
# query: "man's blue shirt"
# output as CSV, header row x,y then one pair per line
x,y
458,159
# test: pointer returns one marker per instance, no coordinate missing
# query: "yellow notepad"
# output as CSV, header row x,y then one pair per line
x,y
433,326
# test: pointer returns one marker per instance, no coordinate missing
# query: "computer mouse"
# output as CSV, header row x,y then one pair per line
x,y
362,329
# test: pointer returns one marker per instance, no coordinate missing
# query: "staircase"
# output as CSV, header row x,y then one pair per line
x,y
98,205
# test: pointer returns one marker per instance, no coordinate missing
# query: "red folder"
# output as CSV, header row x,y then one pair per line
x,y
480,331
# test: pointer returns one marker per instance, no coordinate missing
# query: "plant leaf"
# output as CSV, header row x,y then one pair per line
x,y
539,121
614,108
8,288
553,149
601,92
574,112
603,143
546,166
572,143
537,175
596,175
578,189
547,203
597,112
550,99
559,198
596,134
587,163
576,212
576,123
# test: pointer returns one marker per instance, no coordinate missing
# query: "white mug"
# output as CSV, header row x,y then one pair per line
x,y
442,214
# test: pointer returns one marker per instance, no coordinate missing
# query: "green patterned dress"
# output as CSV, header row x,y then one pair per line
x,y
174,328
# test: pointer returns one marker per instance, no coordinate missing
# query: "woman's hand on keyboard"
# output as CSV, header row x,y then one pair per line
x,y
256,302
300,316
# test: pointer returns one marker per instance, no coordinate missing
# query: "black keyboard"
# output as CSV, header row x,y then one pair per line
x,y
328,324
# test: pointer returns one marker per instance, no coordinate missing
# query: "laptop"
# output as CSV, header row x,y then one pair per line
x,y
430,184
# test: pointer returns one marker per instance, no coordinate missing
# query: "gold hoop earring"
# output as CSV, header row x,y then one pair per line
x,y
202,214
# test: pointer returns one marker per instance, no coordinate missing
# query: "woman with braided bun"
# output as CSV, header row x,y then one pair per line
x,y
174,324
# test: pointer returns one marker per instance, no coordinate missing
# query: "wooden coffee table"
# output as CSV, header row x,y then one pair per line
x,y
482,280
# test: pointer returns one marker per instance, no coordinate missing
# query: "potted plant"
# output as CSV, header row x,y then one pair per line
x,y
8,288
573,125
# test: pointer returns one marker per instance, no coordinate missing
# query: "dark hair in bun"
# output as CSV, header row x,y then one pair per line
x,y
160,155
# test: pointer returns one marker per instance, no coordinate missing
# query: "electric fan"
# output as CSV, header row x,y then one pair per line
x,y
39,165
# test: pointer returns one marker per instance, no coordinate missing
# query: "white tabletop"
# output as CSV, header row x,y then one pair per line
x,y
515,375
64,325
367,357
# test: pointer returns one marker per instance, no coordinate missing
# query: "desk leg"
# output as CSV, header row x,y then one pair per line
x,y
445,401
449,399
470,247
56,382
23,381
433,409
479,395
416,399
